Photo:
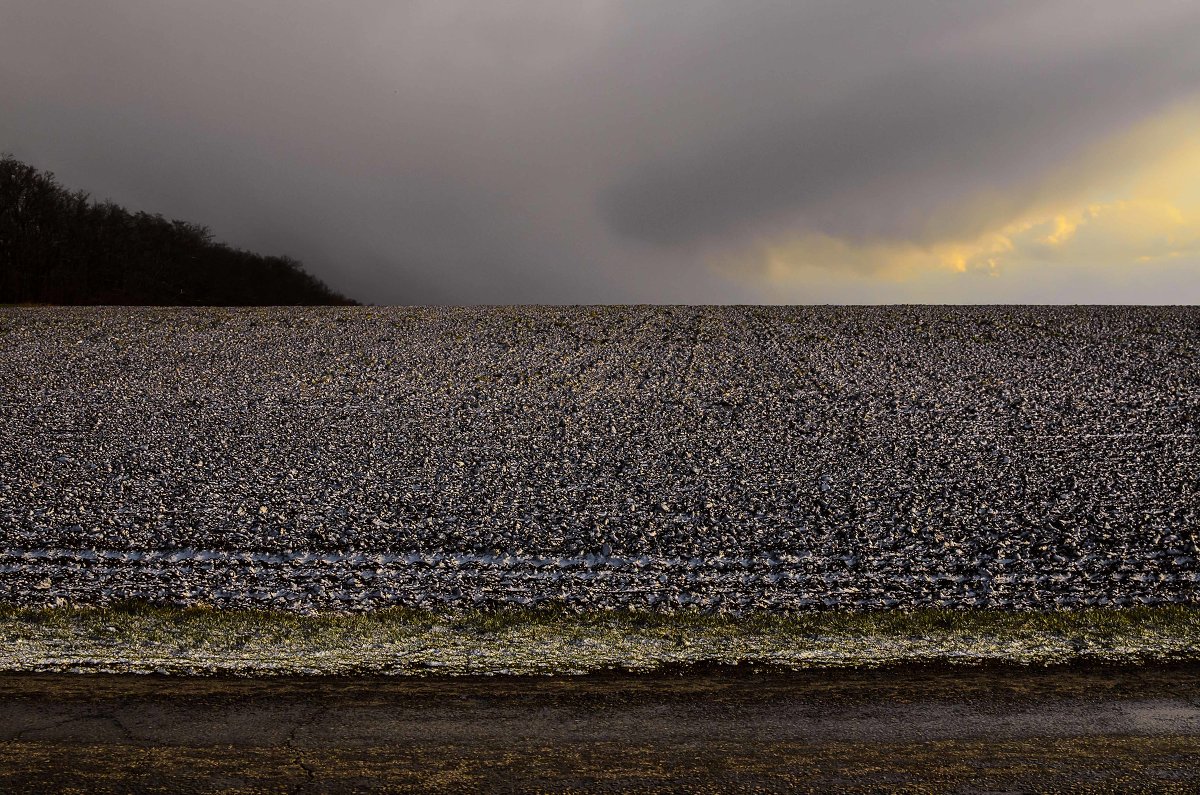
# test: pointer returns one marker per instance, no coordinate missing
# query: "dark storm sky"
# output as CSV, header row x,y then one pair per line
x,y
664,151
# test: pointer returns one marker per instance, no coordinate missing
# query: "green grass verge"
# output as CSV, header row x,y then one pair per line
x,y
145,638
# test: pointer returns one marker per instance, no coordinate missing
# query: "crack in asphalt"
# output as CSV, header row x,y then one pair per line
x,y
298,760
129,772
1069,730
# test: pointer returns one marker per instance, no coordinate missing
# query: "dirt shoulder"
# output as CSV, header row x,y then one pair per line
x,y
919,729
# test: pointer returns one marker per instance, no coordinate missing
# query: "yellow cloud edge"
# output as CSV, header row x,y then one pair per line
x,y
1132,200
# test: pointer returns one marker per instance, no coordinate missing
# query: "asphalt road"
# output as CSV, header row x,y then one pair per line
x,y
916,730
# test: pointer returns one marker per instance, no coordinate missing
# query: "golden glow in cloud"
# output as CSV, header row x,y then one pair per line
x,y
1128,203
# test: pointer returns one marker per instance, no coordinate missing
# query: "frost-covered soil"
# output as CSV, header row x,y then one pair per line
x,y
148,639
744,460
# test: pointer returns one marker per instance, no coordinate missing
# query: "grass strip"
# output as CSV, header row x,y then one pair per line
x,y
152,639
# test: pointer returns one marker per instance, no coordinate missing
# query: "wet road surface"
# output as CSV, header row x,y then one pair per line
x,y
726,730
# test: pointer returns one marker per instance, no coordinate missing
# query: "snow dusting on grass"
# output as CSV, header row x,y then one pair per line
x,y
150,639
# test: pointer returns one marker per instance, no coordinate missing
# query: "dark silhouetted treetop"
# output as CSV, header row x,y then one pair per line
x,y
59,247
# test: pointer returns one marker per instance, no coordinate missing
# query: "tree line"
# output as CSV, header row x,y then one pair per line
x,y
57,246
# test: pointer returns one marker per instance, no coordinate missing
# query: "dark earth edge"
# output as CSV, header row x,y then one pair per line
x,y
903,729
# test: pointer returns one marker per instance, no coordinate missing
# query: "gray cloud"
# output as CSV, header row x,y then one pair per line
x,y
533,150
919,130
